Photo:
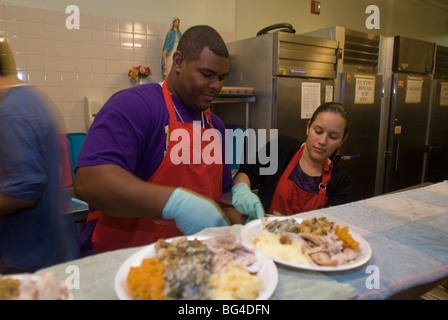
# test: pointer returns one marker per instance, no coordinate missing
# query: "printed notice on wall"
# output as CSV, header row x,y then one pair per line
x,y
365,90
310,98
444,94
414,90
328,93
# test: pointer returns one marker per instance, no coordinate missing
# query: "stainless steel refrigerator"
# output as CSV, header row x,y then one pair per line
x,y
437,164
412,65
359,88
291,75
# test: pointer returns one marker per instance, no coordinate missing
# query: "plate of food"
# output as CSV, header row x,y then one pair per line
x,y
26,286
313,244
197,267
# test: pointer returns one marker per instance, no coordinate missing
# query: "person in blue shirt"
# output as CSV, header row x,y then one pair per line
x,y
34,231
170,46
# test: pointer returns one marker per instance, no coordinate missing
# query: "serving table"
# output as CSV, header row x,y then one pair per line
x,y
407,231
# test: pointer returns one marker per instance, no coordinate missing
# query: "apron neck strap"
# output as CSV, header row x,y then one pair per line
x,y
326,176
170,105
168,100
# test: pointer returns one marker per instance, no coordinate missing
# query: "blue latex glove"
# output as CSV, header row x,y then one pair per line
x,y
192,212
247,202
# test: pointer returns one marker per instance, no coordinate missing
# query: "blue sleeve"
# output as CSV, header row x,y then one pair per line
x,y
23,172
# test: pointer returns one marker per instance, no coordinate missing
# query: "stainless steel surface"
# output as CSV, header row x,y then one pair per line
x,y
413,56
407,133
303,56
251,64
366,144
437,169
361,52
441,63
287,115
270,63
361,147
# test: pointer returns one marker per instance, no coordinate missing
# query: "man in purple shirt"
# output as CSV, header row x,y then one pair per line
x,y
124,170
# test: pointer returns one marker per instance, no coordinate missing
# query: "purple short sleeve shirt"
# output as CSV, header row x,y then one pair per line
x,y
131,131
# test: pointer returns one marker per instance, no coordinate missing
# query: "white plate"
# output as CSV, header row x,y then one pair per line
x,y
268,272
35,278
252,230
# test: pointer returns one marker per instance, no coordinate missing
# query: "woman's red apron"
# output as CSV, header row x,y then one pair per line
x,y
289,199
206,179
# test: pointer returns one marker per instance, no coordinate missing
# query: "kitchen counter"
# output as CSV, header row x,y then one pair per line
x,y
407,231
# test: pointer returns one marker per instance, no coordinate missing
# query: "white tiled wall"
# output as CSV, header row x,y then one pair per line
x,y
70,64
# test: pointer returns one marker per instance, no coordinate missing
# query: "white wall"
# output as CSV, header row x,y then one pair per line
x,y
419,19
94,60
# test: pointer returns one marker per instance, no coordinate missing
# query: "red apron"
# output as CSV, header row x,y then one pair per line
x,y
113,233
289,199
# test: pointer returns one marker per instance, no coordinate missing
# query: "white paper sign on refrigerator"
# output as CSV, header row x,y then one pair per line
x,y
365,90
414,88
310,99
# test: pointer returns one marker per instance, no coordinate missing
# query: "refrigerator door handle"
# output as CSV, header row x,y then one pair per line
x,y
397,150
347,157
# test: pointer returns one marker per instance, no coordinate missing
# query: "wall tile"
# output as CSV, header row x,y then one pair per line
x,y
68,49
82,35
54,92
52,63
13,12
139,27
36,77
84,64
66,34
15,28
98,66
18,45
33,30
126,25
32,14
98,51
53,78
2,10
97,23
20,62
3,28
98,36
52,47
85,79
112,38
112,24
50,16
112,52
35,62
69,64
126,53
83,50
69,79
50,32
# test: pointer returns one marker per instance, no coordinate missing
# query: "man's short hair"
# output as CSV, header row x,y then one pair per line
x,y
196,38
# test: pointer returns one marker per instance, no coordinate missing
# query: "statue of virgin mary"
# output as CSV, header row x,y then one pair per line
x,y
170,46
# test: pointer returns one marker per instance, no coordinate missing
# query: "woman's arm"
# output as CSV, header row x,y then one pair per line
x,y
241,177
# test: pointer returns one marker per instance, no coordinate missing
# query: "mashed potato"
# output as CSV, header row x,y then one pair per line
x,y
270,244
235,283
